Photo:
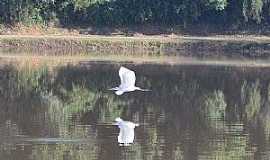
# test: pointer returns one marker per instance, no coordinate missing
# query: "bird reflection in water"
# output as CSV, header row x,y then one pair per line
x,y
126,134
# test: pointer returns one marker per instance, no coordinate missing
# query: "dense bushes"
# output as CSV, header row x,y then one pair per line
x,y
129,12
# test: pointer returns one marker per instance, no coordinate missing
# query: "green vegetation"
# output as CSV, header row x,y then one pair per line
x,y
128,12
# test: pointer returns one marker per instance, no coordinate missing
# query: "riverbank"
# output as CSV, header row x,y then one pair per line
x,y
220,46
55,61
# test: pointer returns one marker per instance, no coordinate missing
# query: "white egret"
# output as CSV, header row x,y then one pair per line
x,y
126,134
127,78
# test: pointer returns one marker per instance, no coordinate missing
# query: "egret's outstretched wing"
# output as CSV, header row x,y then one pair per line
x,y
126,134
122,70
127,77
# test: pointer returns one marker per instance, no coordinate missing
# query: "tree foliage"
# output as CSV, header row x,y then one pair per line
x,y
129,12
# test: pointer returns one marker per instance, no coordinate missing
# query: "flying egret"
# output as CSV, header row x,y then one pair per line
x,y
126,134
127,78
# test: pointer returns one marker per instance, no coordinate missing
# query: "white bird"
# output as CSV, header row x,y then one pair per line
x,y
126,134
128,79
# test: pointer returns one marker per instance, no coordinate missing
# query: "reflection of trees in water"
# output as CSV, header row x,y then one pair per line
x,y
213,105
250,99
58,105
212,101
24,82
232,147
64,152
187,114
260,125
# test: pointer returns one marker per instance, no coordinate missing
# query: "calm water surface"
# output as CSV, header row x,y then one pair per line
x,y
193,112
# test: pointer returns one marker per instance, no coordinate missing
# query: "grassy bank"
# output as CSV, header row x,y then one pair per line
x,y
200,47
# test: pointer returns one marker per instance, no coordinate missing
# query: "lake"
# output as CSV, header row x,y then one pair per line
x,y
193,112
